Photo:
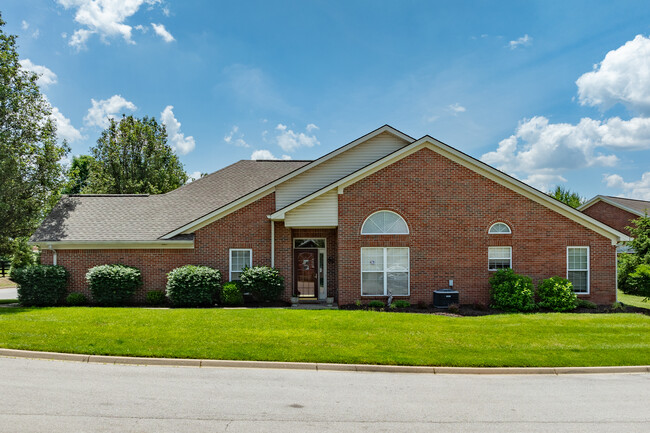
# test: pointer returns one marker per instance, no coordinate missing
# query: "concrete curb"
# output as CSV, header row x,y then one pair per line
x,y
201,363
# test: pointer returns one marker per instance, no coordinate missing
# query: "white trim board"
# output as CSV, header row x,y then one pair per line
x,y
114,245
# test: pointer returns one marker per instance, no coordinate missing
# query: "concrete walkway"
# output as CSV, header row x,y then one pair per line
x,y
9,293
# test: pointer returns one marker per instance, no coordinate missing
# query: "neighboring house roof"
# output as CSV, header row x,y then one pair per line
x,y
637,207
145,218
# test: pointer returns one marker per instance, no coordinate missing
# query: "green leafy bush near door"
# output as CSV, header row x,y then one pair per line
x,y
265,283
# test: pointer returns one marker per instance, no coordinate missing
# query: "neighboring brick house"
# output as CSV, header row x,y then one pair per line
x,y
383,214
616,212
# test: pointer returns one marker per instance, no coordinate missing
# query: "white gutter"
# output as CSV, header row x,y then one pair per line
x,y
272,244
53,254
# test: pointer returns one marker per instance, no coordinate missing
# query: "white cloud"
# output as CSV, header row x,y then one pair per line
x,y
523,41
36,33
456,108
141,28
194,176
64,128
290,141
622,77
235,137
103,17
311,127
267,155
162,32
45,75
179,142
639,189
104,109
24,25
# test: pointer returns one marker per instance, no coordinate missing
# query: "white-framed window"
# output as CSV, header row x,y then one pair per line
x,y
499,258
239,259
499,229
385,270
384,222
577,268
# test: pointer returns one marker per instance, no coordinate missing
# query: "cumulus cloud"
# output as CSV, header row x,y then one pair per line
x,y
267,155
194,176
24,25
311,127
45,75
456,108
179,142
639,189
523,41
105,18
162,32
622,77
101,111
235,137
64,128
290,141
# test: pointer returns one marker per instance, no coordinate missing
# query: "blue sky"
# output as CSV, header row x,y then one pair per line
x,y
552,92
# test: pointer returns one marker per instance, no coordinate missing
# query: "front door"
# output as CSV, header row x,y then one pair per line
x,y
306,273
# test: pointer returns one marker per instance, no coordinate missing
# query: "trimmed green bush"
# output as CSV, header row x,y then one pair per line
x,y
156,297
40,285
640,279
511,291
376,304
401,303
76,299
265,283
113,285
557,294
193,286
231,295
583,303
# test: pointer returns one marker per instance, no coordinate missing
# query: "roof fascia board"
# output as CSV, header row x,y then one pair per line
x,y
474,165
114,245
598,198
224,210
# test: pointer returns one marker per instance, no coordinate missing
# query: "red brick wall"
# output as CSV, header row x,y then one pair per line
x,y
611,215
449,209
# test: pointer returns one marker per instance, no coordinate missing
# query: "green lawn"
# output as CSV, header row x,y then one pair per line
x,y
8,301
636,301
334,336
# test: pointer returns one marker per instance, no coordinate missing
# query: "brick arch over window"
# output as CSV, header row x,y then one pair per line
x,y
384,222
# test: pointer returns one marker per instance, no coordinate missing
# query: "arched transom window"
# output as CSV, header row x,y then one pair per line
x,y
499,229
384,223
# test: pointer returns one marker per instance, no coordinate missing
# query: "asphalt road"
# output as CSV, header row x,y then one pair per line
x,y
57,396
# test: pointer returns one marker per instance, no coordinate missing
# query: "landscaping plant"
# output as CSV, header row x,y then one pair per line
x,y
401,303
511,291
231,295
156,297
640,279
376,304
113,285
557,294
193,286
40,285
76,299
265,283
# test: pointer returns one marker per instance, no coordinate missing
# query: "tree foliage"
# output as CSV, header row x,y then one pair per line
x,y
30,170
132,157
78,174
628,264
567,196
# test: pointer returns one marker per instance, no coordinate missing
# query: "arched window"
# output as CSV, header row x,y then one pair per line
x,y
384,223
499,229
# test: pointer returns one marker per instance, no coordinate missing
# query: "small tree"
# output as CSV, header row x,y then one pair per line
x,y
23,255
640,279
628,263
567,196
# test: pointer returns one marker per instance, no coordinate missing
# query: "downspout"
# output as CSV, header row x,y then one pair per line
x,y
272,244
53,254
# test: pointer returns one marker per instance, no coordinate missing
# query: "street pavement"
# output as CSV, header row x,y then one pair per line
x,y
59,396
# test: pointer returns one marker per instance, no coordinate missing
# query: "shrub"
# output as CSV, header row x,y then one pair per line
x,y
511,291
76,299
422,305
40,285
617,306
263,282
113,285
357,302
231,295
376,304
557,294
627,264
583,303
400,303
156,297
193,286
640,279
454,308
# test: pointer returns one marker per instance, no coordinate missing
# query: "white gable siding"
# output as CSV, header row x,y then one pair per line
x,y
336,168
323,211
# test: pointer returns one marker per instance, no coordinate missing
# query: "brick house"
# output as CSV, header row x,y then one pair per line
x,y
616,212
385,213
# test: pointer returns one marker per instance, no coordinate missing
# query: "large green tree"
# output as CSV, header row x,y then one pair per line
x,y
30,170
78,174
132,157
628,264
567,196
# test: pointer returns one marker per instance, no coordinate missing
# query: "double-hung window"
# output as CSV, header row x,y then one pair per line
x,y
499,258
384,270
578,268
239,259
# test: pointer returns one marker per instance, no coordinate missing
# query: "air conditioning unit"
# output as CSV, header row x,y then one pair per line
x,y
443,298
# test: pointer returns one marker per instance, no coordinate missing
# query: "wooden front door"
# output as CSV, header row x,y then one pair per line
x,y
305,267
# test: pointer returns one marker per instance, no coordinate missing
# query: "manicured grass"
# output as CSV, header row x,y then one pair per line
x,y
333,336
5,283
636,301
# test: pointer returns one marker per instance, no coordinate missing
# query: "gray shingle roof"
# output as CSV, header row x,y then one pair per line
x,y
640,206
148,217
